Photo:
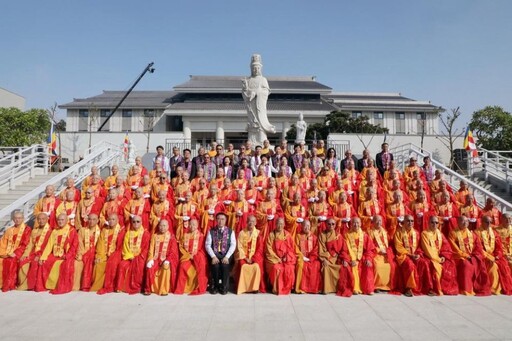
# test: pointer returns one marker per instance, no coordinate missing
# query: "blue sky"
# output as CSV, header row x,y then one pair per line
x,y
453,53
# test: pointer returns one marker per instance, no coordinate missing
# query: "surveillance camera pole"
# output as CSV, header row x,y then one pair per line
x,y
149,69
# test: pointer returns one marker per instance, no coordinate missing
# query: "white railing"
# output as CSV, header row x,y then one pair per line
x,y
403,153
23,163
101,155
496,165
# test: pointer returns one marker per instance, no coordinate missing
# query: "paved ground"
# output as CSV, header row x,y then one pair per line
x,y
87,316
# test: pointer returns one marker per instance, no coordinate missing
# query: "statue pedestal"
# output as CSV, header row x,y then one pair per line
x,y
256,135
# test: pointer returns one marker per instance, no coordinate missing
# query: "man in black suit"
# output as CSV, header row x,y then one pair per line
x,y
383,159
363,162
344,162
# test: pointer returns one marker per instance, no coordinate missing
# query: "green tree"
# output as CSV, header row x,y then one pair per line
x,y
493,128
338,122
23,128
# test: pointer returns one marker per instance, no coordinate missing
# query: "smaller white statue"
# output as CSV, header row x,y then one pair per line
x,y
301,127
131,153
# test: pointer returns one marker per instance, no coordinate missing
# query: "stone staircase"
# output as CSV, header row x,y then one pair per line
x,y
8,197
494,185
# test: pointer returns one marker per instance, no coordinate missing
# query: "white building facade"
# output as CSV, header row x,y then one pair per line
x,y
10,99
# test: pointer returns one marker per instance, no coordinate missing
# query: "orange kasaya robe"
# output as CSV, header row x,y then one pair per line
x,y
263,210
343,213
59,254
76,194
138,207
48,206
280,260
211,206
185,209
367,210
130,271
13,242
293,212
332,251
472,274
29,262
192,278
84,263
360,249
161,277
115,206
69,209
161,210
319,212
384,264
249,275
308,279
238,212
108,256
441,278
85,208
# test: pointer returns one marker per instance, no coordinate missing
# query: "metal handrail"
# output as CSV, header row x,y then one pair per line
x,y
402,155
22,163
101,155
494,164
10,152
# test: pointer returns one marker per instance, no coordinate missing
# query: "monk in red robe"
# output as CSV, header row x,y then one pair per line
x,y
12,246
238,212
130,271
360,250
472,274
308,279
84,259
29,265
280,259
500,279
48,204
409,256
138,206
87,206
441,273
108,255
58,259
249,274
162,262
192,278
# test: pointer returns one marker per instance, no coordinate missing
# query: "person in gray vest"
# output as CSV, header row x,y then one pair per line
x,y
220,245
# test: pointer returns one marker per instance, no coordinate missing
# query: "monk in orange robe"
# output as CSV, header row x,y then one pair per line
x,y
97,189
504,230
58,259
137,206
201,193
130,271
280,259
460,195
113,205
492,211
395,213
249,272
185,211
162,262
360,251
134,178
420,210
211,206
498,270
182,187
409,256
192,278
472,274
441,273
295,214
12,246
383,261
343,212
84,259
48,204
162,185
471,210
29,262
70,187
319,212
162,209
238,211
332,251
108,256
448,212
369,209
87,206
267,212
68,207
111,180
308,279
88,180
240,182
290,191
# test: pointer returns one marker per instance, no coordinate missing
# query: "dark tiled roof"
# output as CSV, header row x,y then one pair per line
x,y
240,105
136,99
234,84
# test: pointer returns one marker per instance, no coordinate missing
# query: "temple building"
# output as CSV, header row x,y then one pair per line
x,y
207,108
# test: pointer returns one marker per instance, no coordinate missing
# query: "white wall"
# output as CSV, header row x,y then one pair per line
x,y
435,144
73,143
9,99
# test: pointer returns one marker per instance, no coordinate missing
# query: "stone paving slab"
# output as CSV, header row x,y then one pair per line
x,y
87,316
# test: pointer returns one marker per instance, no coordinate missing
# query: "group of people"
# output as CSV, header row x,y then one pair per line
x,y
269,219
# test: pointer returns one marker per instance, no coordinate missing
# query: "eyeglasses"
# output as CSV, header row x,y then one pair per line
x,y
136,221
434,222
331,224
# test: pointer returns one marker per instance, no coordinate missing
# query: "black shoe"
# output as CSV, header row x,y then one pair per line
x,y
408,293
223,291
213,291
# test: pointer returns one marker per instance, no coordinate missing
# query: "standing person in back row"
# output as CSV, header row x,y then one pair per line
x,y
383,159
164,160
